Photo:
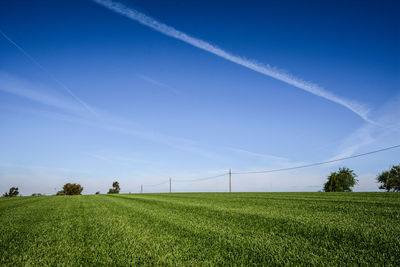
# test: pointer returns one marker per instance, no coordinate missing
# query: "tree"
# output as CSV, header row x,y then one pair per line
x,y
115,189
390,180
341,181
71,189
98,193
13,192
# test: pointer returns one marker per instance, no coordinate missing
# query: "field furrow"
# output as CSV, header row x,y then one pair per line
x,y
201,229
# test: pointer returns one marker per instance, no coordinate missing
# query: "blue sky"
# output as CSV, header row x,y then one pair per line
x,y
92,96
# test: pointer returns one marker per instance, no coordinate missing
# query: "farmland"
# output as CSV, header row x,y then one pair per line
x,y
201,229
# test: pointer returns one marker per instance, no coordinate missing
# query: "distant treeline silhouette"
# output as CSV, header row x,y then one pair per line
x,y
342,180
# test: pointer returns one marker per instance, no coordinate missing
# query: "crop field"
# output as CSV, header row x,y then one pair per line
x,y
202,229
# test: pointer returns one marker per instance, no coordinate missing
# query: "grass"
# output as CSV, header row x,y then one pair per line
x,y
202,229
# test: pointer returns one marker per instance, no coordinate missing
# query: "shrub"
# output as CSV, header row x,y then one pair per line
x,y
70,189
115,189
341,181
390,180
13,192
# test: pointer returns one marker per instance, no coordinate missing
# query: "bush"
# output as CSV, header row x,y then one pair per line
x,y
13,192
390,180
115,189
70,189
341,181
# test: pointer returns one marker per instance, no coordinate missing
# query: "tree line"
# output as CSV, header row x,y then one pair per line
x,y
342,180
76,189
345,179
68,189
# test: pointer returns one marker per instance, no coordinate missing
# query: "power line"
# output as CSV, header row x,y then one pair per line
x,y
275,170
150,185
170,181
202,179
319,163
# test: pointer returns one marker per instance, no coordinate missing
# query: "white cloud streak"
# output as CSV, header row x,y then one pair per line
x,y
369,135
77,114
40,66
257,155
156,83
267,70
36,93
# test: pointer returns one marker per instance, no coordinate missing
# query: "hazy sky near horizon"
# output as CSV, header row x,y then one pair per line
x,y
89,95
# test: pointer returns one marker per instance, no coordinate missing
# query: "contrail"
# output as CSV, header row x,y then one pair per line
x,y
80,101
157,83
312,88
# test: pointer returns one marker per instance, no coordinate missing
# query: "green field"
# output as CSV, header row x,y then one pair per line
x,y
202,229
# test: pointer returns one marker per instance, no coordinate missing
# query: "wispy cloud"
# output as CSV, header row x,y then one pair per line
x,y
257,155
40,66
157,83
370,134
267,70
358,139
36,93
122,160
38,167
104,120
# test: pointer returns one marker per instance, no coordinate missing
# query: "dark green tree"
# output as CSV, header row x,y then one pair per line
x,y
115,189
341,181
13,192
71,189
390,180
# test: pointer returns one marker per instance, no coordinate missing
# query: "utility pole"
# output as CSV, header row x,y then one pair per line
x,y
141,188
230,180
170,185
